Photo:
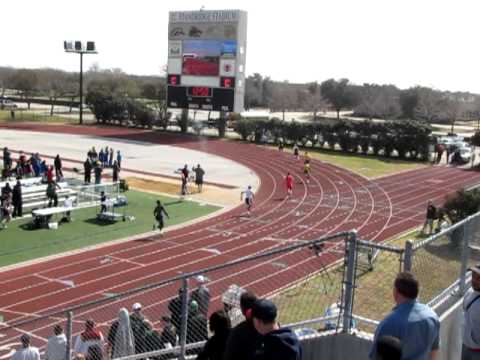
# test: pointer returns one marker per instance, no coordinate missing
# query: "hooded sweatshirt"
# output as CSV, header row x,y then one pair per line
x,y
281,344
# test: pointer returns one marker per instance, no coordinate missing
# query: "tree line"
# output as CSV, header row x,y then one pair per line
x,y
407,139
370,101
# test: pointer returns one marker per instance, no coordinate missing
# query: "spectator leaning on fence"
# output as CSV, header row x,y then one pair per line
x,y
220,326
243,338
276,343
26,352
471,325
57,345
91,336
414,324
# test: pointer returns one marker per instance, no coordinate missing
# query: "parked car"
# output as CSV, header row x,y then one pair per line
x,y
6,104
466,154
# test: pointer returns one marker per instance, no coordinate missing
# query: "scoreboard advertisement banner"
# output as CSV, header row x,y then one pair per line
x,y
206,60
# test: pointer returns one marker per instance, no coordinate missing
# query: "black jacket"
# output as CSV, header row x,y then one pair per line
x,y
281,344
242,342
214,347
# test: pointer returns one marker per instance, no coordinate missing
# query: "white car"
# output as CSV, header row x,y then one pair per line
x,y
6,104
466,154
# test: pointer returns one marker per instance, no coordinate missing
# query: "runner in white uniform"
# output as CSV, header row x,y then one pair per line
x,y
248,198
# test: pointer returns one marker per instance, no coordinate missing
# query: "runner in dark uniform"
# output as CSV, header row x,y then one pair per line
x,y
158,213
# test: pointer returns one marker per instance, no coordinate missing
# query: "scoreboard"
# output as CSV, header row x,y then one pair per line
x,y
206,60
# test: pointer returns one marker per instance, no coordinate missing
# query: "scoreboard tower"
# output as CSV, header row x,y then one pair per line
x,y
206,60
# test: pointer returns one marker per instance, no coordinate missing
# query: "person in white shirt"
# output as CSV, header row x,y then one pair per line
x,y
57,345
68,203
26,352
471,326
91,336
249,196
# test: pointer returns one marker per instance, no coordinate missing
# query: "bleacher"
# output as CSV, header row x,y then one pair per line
x,y
34,192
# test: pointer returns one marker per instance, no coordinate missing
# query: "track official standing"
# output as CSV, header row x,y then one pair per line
x,y
471,325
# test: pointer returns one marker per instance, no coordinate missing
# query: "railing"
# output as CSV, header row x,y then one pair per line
x,y
334,284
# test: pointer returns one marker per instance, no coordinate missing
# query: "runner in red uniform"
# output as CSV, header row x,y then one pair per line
x,y
289,183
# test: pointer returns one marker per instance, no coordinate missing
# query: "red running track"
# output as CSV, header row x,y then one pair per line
x,y
335,200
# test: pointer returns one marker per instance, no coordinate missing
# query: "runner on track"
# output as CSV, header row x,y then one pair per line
x,y
306,171
296,151
306,157
249,196
158,214
289,183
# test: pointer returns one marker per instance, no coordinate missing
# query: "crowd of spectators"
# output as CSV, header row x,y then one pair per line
x,y
410,331
96,162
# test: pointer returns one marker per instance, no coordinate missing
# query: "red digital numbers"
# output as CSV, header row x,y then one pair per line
x,y
200,91
173,80
227,82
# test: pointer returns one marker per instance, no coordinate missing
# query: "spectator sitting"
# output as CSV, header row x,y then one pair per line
x,y
220,326
140,328
94,353
241,342
26,352
120,337
276,343
91,336
389,348
168,337
175,308
414,324
197,329
201,295
57,345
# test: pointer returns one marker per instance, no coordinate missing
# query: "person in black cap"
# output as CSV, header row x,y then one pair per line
x,y
471,311
277,343
243,339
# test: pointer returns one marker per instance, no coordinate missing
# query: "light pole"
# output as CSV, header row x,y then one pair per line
x,y
81,48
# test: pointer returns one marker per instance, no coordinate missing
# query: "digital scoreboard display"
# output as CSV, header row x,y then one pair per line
x,y
199,91
206,60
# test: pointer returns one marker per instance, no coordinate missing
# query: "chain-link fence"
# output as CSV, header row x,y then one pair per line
x,y
440,262
375,266
336,283
171,317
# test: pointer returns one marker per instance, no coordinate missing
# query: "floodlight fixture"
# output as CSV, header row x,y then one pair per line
x,y
80,47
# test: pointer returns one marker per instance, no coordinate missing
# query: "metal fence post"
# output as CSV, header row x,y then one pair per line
x,y
408,256
69,335
465,255
184,318
349,282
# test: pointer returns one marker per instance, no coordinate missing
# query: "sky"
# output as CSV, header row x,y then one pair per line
x,y
406,43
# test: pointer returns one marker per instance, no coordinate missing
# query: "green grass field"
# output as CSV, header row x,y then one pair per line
x,y
20,244
369,166
29,116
